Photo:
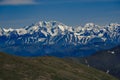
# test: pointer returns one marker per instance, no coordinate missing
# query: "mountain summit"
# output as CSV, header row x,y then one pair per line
x,y
55,38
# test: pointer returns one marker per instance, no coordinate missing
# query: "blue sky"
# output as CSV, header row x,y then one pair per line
x,y
20,13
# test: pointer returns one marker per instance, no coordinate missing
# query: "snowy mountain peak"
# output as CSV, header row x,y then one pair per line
x,y
48,24
71,34
46,35
51,27
89,25
21,31
114,24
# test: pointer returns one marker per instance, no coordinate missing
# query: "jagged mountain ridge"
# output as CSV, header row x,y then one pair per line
x,y
59,35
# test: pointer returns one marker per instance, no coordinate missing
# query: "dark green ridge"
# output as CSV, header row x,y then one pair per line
x,y
46,68
106,60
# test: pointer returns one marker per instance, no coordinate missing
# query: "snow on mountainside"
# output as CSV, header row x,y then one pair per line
x,y
58,30
58,34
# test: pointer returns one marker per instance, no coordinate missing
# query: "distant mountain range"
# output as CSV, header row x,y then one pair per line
x,y
46,68
57,39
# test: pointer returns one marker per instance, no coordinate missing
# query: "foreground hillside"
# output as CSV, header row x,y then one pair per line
x,y
46,68
108,61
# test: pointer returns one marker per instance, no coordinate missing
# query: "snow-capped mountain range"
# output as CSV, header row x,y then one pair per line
x,y
54,34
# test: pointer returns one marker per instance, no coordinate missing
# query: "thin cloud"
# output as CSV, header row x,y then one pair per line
x,y
17,2
29,2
